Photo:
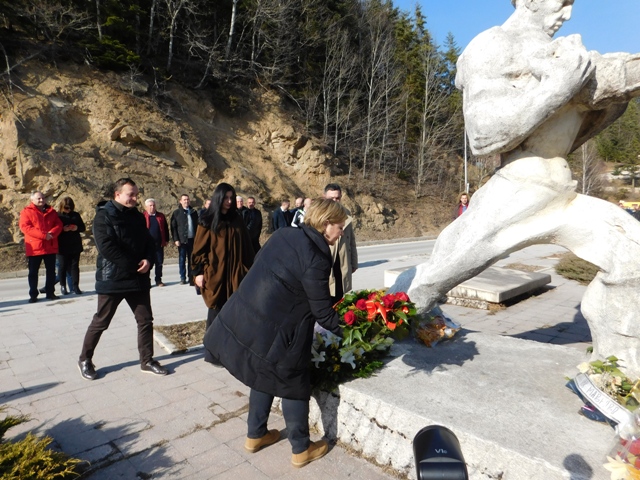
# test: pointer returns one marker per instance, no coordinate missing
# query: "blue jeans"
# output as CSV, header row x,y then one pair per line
x,y
184,259
296,419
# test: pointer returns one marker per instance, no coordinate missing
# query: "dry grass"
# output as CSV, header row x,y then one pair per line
x,y
523,267
575,268
183,335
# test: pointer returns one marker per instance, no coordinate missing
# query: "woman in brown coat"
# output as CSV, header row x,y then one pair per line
x,y
222,251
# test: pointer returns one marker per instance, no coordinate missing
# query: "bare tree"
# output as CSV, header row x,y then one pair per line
x,y
436,125
152,16
588,169
380,81
55,20
98,21
339,76
232,28
174,9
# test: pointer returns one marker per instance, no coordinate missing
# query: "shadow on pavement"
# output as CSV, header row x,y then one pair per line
x,y
564,333
372,263
456,351
115,445
25,392
577,467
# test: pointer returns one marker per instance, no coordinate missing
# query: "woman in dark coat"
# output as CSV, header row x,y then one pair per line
x,y
263,335
69,246
222,251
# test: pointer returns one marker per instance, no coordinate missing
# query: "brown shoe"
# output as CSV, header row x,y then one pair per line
x,y
254,444
315,451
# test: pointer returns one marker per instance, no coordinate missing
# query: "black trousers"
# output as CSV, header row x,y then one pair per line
x,y
158,264
69,266
140,304
184,260
296,418
50,268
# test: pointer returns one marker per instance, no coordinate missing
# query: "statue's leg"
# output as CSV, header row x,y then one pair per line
x,y
505,215
608,237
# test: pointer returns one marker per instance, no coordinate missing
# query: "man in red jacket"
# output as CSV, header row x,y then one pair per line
x,y
41,226
159,230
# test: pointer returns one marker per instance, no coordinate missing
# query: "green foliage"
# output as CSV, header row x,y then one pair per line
x,y
575,268
620,142
10,421
111,54
30,458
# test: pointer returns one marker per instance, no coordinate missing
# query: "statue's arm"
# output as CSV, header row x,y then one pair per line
x,y
509,89
617,79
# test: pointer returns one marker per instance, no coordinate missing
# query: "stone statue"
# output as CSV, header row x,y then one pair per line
x,y
534,99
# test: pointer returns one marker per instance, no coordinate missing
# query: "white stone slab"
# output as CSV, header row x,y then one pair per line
x,y
504,398
494,285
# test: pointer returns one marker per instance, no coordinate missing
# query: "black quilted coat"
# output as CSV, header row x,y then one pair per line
x,y
264,332
122,240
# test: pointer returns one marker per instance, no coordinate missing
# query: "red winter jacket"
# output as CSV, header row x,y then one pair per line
x,y
35,224
162,223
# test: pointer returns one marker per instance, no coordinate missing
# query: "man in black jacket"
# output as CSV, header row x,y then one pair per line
x,y
253,220
184,222
125,254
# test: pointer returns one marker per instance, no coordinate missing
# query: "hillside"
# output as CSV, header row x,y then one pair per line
x,y
72,130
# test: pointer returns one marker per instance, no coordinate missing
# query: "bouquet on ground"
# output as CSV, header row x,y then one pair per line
x,y
624,460
370,320
435,328
610,396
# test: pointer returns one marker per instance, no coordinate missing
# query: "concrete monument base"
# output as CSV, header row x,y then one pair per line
x,y
504,398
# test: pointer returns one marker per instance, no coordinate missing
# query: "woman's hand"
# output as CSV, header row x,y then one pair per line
x,y
199,281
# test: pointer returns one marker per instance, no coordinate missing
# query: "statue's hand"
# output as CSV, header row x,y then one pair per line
x,y
568,62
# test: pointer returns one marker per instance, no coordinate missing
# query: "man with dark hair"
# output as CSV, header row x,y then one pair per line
x,y
184,222
282,216
253,220
126,253
159,230
344,251
41,227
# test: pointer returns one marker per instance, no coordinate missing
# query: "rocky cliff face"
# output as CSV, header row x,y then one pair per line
x,y
73,130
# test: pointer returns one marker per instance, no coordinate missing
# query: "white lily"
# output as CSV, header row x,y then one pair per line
x,y
316,357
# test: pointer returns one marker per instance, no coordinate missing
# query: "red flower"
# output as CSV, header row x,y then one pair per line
x,y
350,317
389,300
405,309
372,296
361,304
634,448
403,297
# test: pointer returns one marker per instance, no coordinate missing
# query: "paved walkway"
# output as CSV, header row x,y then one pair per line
x,y
191,424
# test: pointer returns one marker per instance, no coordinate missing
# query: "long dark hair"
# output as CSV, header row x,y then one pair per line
x,y
212,216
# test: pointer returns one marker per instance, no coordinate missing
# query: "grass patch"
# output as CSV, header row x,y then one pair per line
x,y
183,335
523,267
577,269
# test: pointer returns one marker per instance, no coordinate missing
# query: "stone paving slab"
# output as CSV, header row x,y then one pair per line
x,y
191,424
